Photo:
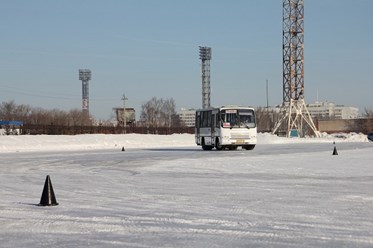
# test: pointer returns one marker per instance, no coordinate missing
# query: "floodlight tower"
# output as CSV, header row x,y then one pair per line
x,y
85,76
124,98
295,112
205,56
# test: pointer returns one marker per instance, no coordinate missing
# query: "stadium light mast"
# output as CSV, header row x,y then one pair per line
x,y
85,76
205,56
124,98
294,109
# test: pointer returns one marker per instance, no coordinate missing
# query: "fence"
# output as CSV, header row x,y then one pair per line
x,y
74,130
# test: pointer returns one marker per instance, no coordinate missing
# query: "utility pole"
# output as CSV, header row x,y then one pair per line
x,y
124,98
267,94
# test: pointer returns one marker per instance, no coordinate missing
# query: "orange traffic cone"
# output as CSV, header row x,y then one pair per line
x,y
47,197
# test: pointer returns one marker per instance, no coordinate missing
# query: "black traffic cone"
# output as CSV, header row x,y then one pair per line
x,y
123,149
335,151
47,197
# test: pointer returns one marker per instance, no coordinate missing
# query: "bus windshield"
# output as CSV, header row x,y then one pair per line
x,y
238,118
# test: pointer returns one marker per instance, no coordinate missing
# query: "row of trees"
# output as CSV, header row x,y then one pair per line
x,y
154,113
39,116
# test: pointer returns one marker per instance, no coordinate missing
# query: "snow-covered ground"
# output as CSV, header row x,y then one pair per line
x,y
164,191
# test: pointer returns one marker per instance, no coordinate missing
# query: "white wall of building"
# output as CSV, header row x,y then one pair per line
x,y
331,110
328,110
188,116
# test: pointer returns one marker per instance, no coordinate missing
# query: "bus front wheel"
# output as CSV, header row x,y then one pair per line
x,y
218,146
249,147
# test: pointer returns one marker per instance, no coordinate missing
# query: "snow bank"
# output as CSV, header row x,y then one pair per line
x,y
91,142
28,143
267,138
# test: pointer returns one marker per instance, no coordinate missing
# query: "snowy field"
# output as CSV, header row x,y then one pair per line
x,y
164,191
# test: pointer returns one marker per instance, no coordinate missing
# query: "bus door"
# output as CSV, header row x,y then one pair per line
x,y
214,125
213,116
197,124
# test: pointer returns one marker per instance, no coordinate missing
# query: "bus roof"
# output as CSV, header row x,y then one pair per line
x,y
227,107
236,106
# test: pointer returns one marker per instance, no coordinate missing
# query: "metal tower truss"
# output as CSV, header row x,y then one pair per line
x,y
205,56
294,115
295,111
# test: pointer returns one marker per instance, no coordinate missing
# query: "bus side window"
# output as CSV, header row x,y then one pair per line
x,y
204,119
198,121
208,119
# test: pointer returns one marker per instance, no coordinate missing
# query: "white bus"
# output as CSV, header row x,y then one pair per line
x,y
226,127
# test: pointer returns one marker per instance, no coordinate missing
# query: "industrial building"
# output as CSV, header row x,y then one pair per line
x,y
129,116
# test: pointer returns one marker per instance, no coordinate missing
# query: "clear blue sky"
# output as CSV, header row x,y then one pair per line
x,y
147,48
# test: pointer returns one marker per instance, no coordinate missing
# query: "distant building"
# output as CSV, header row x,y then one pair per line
x,y
10,127
329,110
326,110
130,116
188,116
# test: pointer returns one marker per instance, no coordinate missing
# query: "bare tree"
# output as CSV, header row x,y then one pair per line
x,y
266,119
368,114
8,110
39,116
77,117
22,112
169,111
158,112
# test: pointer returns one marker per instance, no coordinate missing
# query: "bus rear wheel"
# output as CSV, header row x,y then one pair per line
x,y
205,147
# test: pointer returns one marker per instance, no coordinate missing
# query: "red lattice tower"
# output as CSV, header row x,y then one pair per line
x,y
295,112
